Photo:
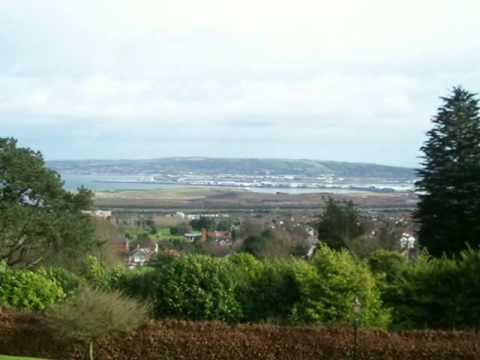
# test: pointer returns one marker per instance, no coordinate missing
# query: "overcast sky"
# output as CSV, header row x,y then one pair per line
x,y
334,80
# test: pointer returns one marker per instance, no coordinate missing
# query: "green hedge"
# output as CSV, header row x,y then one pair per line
x,y
26,290
431,293
243,289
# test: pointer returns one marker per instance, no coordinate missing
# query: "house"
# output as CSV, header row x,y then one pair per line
x,y
102,214
221,237
143,253
139,257
192,237
408,245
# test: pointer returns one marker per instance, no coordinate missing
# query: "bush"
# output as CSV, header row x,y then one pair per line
x,y
242,288
91,314
438,293
388,263
328,291
26,290
134,283
96,273
194,288
469,283
272,294
69,281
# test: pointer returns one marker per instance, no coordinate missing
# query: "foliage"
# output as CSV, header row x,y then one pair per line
x,y
339,224
38,218
449,182
257,244
134,283
180,229
388,263
330,287
203,223
180,340
95,273
196,288
26,290
439,293
94,313
271,244
68,281
242,288
91,314
276,291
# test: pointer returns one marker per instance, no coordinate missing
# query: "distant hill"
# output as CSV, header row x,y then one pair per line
x,y
210,166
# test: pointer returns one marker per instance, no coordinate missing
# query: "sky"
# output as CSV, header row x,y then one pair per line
x,y
344,80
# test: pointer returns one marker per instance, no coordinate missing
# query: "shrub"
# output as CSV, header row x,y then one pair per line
x,y
329,289
469,279
69,281
195,288
439,293
135,283
26,290
273,293
91,314
95,273
246,270
389,263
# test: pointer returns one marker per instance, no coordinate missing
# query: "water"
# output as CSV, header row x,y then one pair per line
x,y
107,183
124,182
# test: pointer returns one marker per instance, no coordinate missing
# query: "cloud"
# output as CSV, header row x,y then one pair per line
x,y
348,74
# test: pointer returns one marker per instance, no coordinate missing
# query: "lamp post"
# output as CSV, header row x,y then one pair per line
x,y
357,311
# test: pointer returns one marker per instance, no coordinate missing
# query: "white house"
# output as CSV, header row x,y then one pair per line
x,y
192,237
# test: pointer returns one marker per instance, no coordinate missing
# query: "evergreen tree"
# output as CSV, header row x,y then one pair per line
x,y
449,207
339,224
40,222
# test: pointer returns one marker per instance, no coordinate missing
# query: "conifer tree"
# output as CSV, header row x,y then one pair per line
x,y
339,224
449,181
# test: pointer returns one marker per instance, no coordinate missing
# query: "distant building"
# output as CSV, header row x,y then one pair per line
x,y
142,254
139,257
103,214
192,237
407,241
217,236
408,245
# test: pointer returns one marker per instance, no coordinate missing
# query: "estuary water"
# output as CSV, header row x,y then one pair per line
x,y
99,183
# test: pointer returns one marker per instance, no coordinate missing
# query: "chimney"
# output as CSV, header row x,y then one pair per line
x,y
204,234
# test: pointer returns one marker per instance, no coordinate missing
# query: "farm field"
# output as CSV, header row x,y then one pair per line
x,y
203,198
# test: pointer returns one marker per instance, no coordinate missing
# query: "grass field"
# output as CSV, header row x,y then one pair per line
x,y
165,194
215,199
4,357
162,234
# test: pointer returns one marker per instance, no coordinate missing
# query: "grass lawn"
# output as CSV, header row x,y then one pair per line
x,y
4,357
162,234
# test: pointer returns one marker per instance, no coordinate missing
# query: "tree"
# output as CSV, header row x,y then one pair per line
x,y
38,218
272,244
203,223
339,224
449,182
